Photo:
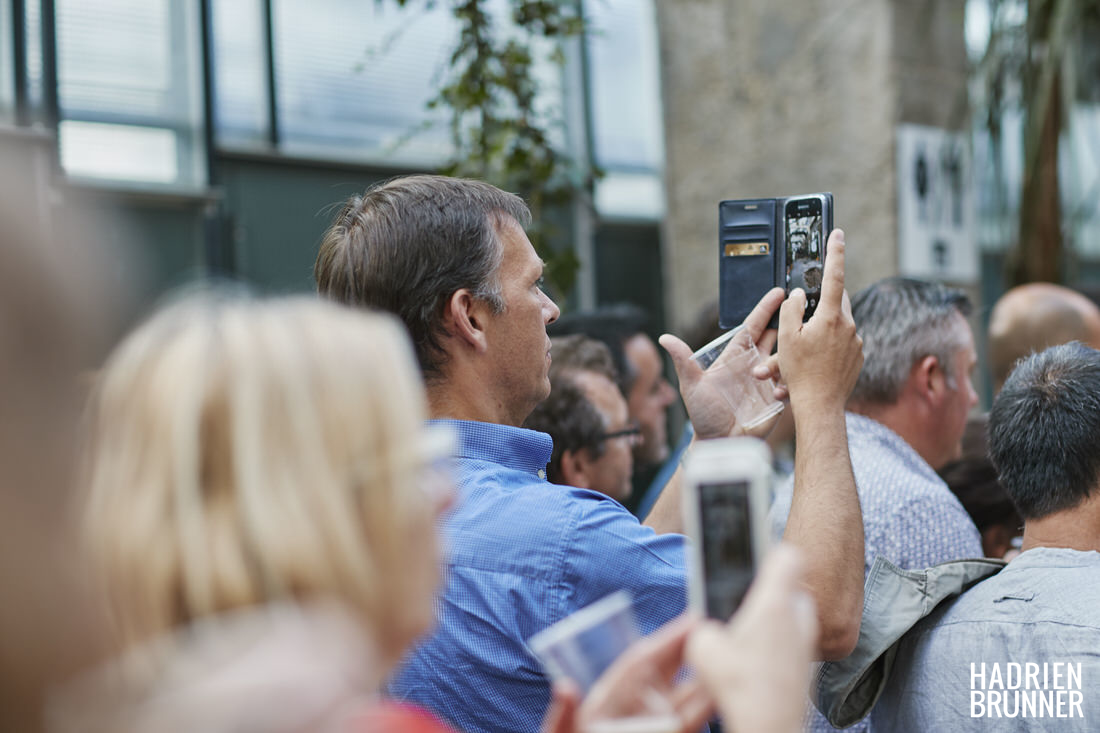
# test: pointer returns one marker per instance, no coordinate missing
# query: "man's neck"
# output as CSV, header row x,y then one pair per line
x,y
1077,528
901,420
446,402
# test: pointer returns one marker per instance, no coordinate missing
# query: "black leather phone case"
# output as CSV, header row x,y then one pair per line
x,y
752,253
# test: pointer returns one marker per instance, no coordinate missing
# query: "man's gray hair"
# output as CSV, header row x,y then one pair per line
x,y
901,321
407,245
1043,429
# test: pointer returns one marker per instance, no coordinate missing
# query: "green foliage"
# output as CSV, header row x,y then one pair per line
x,y
1040,62
499,133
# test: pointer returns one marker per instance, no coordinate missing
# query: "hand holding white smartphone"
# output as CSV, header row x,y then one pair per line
x,y
727,491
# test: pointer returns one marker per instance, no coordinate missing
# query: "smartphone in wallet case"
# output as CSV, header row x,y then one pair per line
x,y
767,243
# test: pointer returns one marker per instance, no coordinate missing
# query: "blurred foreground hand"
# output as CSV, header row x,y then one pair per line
x,y
757,667
638,692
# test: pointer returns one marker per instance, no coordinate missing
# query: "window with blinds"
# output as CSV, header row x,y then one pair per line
x,y
625,107
351,81
354,78
240,64
129,89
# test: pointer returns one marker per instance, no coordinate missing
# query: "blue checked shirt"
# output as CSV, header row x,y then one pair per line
x,y
523,554
910,517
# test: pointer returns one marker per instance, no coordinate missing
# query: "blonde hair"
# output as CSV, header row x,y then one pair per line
x,y
244,451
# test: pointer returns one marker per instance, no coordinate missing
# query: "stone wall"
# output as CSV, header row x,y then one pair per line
x,y
780,97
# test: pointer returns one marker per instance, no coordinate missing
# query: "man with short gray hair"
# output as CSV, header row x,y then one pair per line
x,y
905,419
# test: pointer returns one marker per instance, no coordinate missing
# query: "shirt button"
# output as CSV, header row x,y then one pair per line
x,y
541,473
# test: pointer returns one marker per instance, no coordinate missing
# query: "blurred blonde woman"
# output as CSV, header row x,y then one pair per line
x,y
244,453
262,494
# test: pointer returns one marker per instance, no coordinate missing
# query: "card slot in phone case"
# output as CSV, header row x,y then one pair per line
x,y
747,242
744,280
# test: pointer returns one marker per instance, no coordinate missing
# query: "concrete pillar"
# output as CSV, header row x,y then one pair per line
x,y
780,97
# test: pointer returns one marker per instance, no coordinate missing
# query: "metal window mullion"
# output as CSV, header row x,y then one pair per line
x,y
273,132
51,107
19,63
217,247
579,120
209,113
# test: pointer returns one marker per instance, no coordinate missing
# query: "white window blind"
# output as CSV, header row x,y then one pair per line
x,y
1080,165
625,99
625,107
240,64
354,77
129,91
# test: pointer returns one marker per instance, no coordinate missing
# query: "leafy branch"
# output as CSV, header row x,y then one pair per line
x,y
498,130
1031,66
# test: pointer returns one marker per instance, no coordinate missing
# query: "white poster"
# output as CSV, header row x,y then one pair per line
x,y
935,205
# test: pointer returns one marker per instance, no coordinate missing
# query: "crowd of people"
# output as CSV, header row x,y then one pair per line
x,y
353,511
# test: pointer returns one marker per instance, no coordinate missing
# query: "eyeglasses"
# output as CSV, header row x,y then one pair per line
x,y
633,433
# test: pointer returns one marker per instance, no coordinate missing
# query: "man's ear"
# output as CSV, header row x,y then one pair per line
x,y
464,318
929,378
574,468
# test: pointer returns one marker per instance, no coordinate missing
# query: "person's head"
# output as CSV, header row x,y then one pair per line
x,y
56,320
242,452
1031,317
973,480
641,379
1043,430
918,356
450,258
587,417
704,328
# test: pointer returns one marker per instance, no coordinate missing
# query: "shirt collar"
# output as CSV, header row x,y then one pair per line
x,y
1054,557
516,448
871,429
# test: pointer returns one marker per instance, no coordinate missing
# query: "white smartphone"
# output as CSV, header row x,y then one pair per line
x,y
726,496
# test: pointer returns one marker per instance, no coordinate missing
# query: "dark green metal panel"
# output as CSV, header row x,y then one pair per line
x,y
278,212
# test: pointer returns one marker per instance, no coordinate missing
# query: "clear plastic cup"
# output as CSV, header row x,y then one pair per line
x,y
585,644
729,359
581,648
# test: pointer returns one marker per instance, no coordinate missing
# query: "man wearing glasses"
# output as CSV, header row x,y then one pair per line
x,y
588,418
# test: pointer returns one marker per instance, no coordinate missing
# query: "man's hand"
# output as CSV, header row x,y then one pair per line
x,y
819,360
757,667
639,683
710,414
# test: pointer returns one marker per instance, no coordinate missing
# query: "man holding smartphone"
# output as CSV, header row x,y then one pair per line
x,y
451,259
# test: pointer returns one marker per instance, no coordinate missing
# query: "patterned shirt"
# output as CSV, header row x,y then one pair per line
x,y
910,517
523,554
1022,647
